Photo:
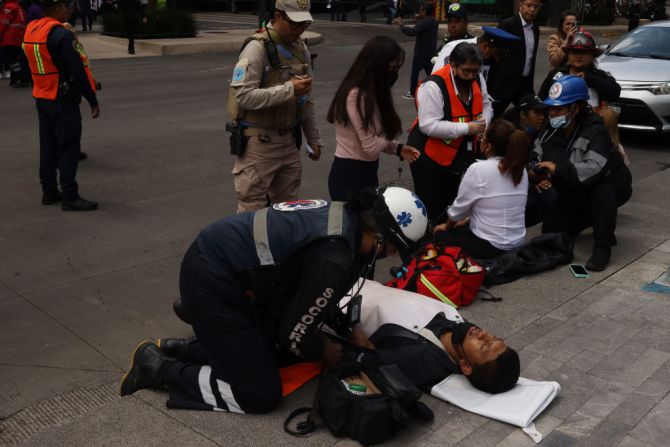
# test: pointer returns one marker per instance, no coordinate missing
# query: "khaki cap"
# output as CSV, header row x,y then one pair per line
x,y
296,10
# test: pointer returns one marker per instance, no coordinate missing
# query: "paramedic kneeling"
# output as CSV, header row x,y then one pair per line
x,y
585,167
262,282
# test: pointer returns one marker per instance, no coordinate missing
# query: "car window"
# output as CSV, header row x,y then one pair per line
x,y
644,42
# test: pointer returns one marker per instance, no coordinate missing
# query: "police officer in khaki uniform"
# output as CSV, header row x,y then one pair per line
x,y
270,100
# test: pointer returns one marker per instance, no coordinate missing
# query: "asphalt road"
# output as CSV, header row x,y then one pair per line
x,y
78,291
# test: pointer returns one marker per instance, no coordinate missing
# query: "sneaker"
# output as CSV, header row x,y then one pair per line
x,y
408,95
78,204
599,259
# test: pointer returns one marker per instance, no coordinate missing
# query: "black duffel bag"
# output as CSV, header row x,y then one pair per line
x,y
370,418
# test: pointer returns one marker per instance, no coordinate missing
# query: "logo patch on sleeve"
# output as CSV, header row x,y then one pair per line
x,y
298,205
239,73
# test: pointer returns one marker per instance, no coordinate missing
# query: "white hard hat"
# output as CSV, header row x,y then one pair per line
x,y
402,217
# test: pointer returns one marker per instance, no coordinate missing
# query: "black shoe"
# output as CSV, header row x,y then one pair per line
x,y
599,259
176,347
83,156
147,369
49,198
79,204
180,311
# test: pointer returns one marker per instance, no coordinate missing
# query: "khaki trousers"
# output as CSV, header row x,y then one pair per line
x,y
268,171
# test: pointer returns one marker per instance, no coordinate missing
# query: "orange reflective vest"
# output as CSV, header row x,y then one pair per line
x,y
443,151
42,68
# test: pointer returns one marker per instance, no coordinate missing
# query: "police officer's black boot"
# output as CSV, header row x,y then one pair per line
x,y
51,197
148,369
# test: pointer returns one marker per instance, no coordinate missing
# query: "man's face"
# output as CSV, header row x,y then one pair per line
x,y
457,27
535,118
559,111
468,71
529,9
580,59
487,50
480,347
288,30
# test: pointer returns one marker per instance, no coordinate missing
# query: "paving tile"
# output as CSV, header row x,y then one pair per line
x,y
572,397
606,434
641,369
579,425
654,428
629,441
488,434
457,428
582,301
662,374
545,424
639,402
585,360
558,439
664,247
602,404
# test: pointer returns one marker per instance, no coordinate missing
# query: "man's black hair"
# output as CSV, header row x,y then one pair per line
x,y
428,8
499,375
465,52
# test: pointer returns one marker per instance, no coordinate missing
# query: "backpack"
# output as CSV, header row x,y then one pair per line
x,y
372,416
446,274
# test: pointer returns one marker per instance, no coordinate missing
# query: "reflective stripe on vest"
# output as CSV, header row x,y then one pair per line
x,y
42,67
443,151
262,241
87,65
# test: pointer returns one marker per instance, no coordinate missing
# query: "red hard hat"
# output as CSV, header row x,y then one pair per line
x,y
582,40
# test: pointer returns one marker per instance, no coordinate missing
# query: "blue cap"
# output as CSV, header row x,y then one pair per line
x,y
499,37
566,90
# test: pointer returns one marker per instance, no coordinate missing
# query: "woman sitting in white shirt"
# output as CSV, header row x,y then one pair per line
x,y
492,197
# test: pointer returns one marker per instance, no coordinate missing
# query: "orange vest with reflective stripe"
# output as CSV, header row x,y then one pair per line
x,y
42,68
443,151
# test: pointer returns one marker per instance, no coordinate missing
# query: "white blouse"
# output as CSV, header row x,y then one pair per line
x,y
495,206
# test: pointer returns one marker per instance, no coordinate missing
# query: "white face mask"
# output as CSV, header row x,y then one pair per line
x,y
558,122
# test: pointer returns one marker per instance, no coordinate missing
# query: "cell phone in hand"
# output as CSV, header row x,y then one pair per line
x,y
579,271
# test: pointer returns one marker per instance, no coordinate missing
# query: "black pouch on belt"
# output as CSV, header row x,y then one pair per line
x,y
238,142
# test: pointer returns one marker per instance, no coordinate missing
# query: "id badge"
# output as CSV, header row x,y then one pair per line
x,y
354,310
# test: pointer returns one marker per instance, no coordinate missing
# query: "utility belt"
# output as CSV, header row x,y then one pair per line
x,y
240,134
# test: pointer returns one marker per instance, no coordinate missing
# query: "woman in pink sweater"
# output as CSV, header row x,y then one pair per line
x,y
365,119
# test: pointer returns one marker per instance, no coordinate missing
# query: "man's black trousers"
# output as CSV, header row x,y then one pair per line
x,y
60,137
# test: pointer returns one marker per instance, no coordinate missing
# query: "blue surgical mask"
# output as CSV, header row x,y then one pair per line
x,y
558,122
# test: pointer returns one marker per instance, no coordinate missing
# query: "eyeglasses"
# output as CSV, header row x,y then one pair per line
x,y
469,71
296,25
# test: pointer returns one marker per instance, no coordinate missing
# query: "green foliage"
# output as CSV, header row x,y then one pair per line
x,y
160,23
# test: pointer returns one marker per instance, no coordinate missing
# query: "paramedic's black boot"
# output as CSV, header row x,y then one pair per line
x,y
176,347
148,369
599,259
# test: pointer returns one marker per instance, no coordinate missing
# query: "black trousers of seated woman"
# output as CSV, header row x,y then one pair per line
x,y
471,244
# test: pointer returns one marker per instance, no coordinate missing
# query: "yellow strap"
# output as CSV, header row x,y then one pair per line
x,y
437,292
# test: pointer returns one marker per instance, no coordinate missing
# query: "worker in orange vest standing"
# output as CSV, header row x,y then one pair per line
x,y
60,79
453,109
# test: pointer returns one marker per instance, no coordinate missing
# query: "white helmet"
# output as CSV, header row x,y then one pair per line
x,y
402,217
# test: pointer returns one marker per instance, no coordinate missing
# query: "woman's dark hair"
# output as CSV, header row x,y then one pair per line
x,y
465,52
511,144
370,73
561,21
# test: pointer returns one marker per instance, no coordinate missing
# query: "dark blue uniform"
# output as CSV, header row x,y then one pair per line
x,y
253,283
60,119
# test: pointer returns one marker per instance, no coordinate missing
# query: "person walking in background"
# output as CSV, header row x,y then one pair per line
x,y
365,119
512,78
86,14
567,27
425,47
391,10
12,28
60,79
